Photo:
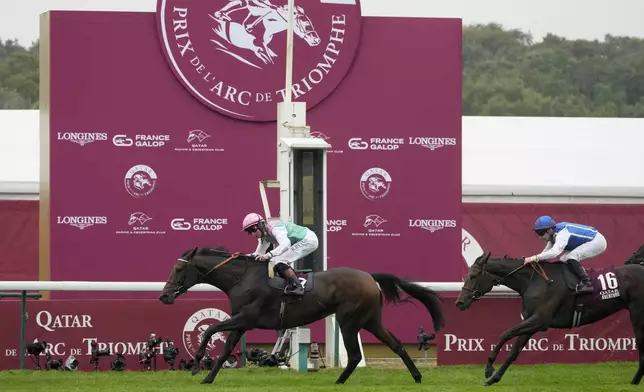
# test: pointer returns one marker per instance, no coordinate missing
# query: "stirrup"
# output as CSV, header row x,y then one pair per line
x,y
294,291
584,287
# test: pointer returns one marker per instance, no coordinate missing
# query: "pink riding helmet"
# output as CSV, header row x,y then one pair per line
x,y
250,220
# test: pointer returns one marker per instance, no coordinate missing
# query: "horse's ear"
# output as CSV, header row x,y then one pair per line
x,y
487,256
192,254
482,258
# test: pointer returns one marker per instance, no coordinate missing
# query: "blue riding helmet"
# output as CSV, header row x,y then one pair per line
x,y
543,223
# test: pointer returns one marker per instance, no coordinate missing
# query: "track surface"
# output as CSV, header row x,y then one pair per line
x,y
553,377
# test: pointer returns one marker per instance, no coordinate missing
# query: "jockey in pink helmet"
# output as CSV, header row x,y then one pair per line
x,y
291,242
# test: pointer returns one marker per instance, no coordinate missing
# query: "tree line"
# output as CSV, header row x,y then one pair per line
x,y
505,73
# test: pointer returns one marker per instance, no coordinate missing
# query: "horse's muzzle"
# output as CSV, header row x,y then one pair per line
x,y
167,299
464,304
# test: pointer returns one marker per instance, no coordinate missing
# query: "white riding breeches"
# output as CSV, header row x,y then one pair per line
x,y
298,250
592,248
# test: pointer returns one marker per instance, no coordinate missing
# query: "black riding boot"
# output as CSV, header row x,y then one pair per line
x,y
585,286
295,287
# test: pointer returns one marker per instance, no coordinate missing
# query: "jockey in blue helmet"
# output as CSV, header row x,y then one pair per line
x,y
578,242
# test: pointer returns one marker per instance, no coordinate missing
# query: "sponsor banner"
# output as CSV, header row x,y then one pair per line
x,y
394,144
70,326
138,178
470,336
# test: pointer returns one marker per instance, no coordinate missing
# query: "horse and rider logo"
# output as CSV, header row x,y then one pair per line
x,y
241,34
231,54
140,180
196,326
375,183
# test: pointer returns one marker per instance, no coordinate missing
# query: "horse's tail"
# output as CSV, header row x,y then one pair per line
x,y
391,286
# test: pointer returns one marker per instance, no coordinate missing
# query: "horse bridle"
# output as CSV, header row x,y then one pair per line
x,y
476,293
183,289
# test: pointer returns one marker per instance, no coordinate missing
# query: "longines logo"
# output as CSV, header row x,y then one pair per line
x,y
229,54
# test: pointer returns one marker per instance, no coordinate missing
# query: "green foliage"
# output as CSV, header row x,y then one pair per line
x,y
19,75
505,73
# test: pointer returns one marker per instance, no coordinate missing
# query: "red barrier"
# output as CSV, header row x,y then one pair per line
x,y
18,240
69,327
471,335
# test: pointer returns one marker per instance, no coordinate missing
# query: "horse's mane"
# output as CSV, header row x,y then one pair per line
x,y
505,257
212,250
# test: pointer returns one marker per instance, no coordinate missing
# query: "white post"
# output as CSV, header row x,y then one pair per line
x,y
289,114
289,53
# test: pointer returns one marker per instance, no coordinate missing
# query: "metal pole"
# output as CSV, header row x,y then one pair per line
x,y
23,328
289,53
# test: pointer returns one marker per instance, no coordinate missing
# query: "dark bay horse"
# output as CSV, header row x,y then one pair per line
x,y
549,300
356,297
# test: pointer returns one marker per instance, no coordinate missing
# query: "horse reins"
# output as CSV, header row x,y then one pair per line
x,y
232,256
497,281
541,272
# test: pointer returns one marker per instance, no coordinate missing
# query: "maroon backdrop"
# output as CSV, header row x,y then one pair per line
x,y
499,228
19,240
124,93
506,228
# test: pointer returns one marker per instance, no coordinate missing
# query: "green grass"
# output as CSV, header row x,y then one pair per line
x,y
555,377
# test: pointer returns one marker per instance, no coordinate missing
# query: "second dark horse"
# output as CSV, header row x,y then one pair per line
x,y
549,300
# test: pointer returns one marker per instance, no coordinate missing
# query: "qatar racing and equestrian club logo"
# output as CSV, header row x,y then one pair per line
x,y
231,54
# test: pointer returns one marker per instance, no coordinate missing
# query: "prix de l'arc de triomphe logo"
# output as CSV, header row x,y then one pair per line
x,y
231,54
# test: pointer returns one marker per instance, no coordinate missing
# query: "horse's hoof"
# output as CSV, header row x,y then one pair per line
x,y
207,381
490,382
